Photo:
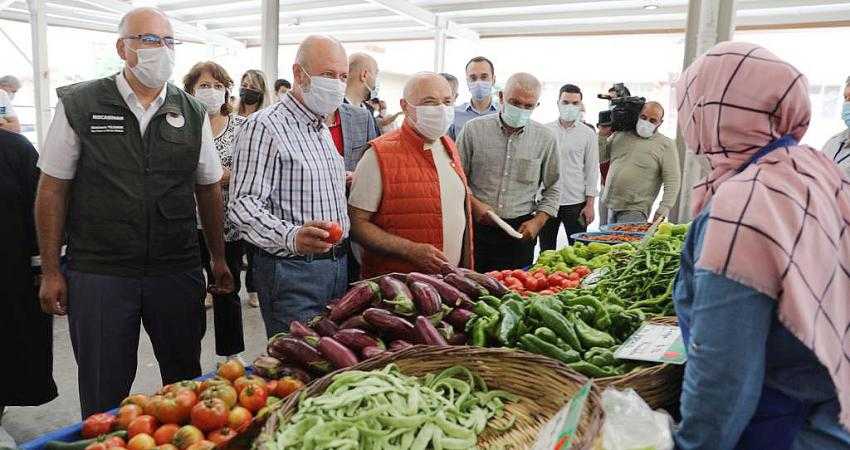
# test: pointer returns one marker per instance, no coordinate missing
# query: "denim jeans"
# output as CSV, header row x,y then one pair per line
x,y
292,289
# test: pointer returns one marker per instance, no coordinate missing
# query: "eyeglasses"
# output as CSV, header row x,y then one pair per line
x,y
153,40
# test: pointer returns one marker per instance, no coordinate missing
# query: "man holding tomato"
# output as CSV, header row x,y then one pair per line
x,y
288,191
409,204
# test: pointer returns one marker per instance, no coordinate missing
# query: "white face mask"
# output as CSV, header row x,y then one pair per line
x,y
154,66
645,128
433,121
324,95
11,96
212,98
569,113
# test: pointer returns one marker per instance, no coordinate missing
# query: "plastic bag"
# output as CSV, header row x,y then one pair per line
x,y
631,425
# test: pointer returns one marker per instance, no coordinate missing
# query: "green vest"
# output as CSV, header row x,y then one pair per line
x,y
132,204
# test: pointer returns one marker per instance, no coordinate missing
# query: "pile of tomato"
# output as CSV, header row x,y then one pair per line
x,y
189,415
540,280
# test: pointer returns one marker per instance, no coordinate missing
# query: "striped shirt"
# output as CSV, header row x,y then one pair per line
x,y
286,171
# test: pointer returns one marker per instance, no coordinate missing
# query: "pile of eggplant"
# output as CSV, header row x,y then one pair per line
x,y
386,314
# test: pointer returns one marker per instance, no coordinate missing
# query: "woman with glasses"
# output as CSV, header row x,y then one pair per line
x,y
211,84
253,94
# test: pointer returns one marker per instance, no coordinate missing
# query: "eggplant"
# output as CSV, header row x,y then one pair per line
x,y
304,354
449,293
275,347
355,300
458,339
339,355
399,345
357,322
299,330
325,327
427,298
295,372
267,367
446,269
459,317
388,323
427,333
465,285
356,339
371,352
392,288
493,286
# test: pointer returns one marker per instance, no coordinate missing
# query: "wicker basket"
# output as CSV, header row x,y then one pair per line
x,y
660,386
543,385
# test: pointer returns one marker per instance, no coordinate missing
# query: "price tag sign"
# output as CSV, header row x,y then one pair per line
x,y
654,343
595,276
560,432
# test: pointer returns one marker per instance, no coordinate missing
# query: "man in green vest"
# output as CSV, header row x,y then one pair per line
x,y
123,161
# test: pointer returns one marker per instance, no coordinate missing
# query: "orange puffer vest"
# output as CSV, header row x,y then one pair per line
x,y
410,205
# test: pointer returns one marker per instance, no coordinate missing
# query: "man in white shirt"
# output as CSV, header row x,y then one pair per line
x,y
409,204
579,156
9,86
837,147
123,161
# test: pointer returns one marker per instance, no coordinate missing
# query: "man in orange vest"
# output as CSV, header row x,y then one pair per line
x,y
409,203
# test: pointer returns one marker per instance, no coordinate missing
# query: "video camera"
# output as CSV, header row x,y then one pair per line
x,y
624,111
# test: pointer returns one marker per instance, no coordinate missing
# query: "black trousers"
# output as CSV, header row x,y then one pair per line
x,y
104,313
568,215
249,250
227,309
495,250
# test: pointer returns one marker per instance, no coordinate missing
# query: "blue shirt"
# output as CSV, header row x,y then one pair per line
x,y
737,346
464,113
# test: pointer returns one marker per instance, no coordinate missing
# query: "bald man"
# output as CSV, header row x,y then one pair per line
x,y
123,162
362,85
288,190
409,204
508,158
642,161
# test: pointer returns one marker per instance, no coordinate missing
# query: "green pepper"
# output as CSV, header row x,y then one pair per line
x,y
591,337
590,370
494,302
550,350
484,310
625,323
587,313
557,323
601,357
512,296
547,335
479,331
509,324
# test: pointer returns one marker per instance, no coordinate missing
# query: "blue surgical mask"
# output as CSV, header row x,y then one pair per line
x,y
845,113
569,113
515,117
645,128
480,89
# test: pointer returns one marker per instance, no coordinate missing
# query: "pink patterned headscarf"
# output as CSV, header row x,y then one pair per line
x,y
782,225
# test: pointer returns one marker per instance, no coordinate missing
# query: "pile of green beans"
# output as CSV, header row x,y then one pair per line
x,y
385,409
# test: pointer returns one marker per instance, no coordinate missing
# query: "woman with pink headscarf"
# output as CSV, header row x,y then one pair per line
x,y
763,295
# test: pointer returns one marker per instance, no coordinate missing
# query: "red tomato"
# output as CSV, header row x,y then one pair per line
x,y
556,289
186,436
582,270
166,447
334,233
141,441
127,414
239,418
287,385
573,276
221,436
214,381
136,399
165,433
531,284
98,424
253,398
142,425
546,292
202,445
173,407
97,445
103,443
231,369
226,393
210,414
243,381
519,274
510,279
571,284
506,273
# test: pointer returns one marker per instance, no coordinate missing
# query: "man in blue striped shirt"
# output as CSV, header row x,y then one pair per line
x,y
480,78
288,190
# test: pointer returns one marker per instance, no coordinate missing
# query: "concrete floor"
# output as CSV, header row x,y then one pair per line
x,y
25,423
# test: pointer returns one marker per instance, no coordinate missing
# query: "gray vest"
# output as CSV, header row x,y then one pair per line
x,y
132,204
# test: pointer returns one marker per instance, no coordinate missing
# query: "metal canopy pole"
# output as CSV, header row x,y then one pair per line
x,y
440,44
709,22
270,39
41,75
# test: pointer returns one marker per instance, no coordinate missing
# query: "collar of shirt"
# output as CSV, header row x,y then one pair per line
x,y
565,126
301,113
507,131
468,106
131,98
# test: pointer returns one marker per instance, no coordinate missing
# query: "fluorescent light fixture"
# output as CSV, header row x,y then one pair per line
x,y
651,6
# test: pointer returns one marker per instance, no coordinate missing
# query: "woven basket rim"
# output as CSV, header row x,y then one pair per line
x,y
593,407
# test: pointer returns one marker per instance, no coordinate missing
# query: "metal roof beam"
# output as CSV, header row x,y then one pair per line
x,y
243,9
425,17
362,17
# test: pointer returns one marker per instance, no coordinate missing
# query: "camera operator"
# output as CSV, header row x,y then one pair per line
x,y
642,160
605,129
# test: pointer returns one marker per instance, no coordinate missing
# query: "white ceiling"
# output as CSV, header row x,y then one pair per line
x,y
237,22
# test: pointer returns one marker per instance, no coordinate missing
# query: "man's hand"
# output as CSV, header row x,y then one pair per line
x,y
222,277
426,257
531,227
479,212
659,215
310,238
349,178
588,213
605,131
53,294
